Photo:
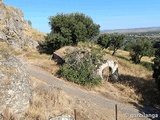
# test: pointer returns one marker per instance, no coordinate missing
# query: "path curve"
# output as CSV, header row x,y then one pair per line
x,y
80,93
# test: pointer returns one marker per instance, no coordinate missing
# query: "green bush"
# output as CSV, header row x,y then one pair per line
x,y
156,65
147,65
80,67
69,29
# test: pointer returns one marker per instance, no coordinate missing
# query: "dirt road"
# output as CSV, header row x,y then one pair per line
x,y
127,110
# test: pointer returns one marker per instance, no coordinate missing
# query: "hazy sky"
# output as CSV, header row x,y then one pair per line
x,y
109,14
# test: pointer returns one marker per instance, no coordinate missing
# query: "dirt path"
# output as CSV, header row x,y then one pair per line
x,y
81,93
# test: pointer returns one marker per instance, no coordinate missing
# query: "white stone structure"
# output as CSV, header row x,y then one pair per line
x,y
113,67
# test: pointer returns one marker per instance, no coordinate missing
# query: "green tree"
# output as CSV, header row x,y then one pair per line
x,y
142,47
104,40
69,29
116,42
29,22
156,65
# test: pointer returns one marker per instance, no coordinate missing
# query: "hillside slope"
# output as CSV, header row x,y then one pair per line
x,y
15,30
134,30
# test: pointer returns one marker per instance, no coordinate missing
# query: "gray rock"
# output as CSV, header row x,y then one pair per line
x,y
63,117
15,89
15,29
2,36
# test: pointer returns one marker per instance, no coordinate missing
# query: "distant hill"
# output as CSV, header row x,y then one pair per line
x,y
133,30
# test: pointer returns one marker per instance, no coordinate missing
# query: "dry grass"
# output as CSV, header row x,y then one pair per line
x,y
50,101
135,84
135,81
34,34
42,61
125,55
6,48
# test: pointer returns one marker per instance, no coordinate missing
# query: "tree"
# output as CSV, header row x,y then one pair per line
x,y
156,65
116,42
29,22
142,47
104,40
51,43
69,29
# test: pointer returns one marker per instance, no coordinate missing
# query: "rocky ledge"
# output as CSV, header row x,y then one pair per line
x,y
15,30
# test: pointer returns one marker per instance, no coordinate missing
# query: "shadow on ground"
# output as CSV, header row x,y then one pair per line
x,y
148,111
150,99
122,57
147,89
147,65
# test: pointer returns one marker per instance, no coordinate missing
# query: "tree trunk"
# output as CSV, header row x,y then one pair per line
x,y
114,52
139,60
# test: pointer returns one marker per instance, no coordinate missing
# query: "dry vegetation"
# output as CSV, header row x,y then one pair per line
x,y
6,48
34,34
49,101
42,61
135,84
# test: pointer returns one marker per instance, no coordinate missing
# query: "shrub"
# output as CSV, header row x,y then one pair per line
x,y
80,67
156,65
147,65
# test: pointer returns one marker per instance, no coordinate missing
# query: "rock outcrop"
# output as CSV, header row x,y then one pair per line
x,y
15,30
60,54
15,89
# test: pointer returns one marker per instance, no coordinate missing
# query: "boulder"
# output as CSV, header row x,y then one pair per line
x,y
60,54
2,36
63,117
15,89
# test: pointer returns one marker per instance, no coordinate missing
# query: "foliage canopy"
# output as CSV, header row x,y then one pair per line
x,y
104,40
117,41
69,29
142,47
114,41
156,66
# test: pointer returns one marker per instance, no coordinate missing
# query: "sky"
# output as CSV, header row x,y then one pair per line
x,y
109,14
